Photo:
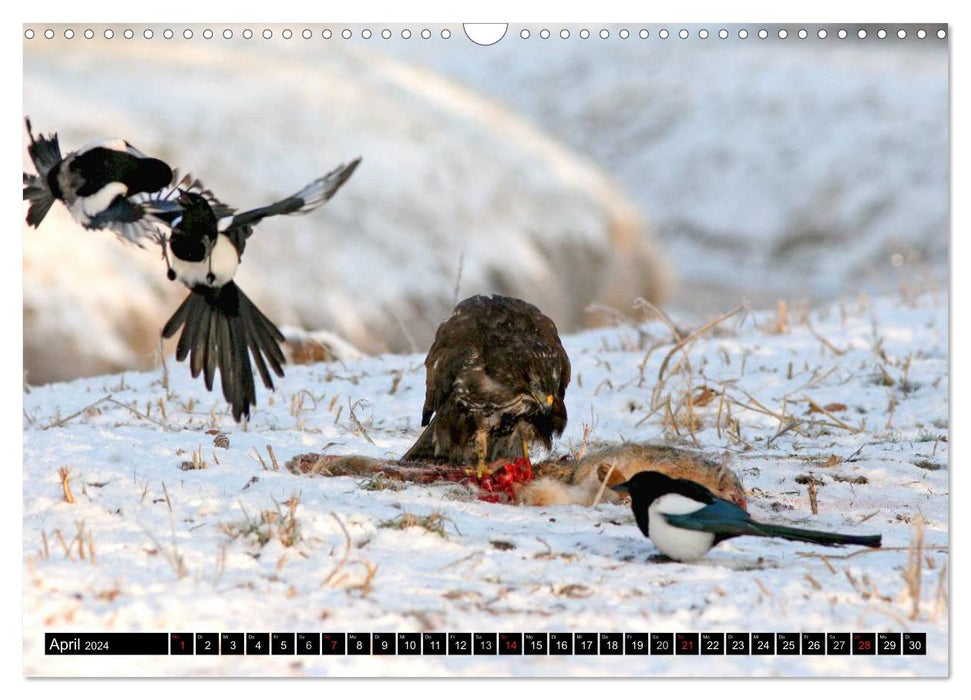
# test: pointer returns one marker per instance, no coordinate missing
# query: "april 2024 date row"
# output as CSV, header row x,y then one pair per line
x,y
485,643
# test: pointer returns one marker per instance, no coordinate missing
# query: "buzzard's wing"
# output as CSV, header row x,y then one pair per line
x,y
455,349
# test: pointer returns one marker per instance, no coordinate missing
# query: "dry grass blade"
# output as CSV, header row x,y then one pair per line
x,y
912,575
66,484
815,379
168,501
816,408
458,280
868,550
143,416
344,556
603,486
642,303
62,421
832,348
694,336
354,419
276,465
786,422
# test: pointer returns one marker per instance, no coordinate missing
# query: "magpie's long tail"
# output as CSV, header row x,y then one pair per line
x,y
45,152
796,534
724,520
221,329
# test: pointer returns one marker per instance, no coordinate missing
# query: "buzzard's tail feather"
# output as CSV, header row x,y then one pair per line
x,y
221,329
424,448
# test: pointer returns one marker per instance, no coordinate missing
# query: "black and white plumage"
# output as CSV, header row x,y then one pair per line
x,y
221,327
496,377
684,519
107,184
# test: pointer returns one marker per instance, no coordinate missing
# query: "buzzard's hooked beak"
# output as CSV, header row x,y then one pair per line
x,y
545,403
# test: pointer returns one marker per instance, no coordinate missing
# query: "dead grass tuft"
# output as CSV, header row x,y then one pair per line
x,y
278,523
197,461
433,522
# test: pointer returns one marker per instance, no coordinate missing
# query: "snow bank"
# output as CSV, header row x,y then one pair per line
x,y
768,168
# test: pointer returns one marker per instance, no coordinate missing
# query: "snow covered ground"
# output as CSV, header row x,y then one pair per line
x,y
181,534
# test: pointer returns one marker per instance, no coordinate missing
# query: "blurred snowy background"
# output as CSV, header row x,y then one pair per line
x,y
695,173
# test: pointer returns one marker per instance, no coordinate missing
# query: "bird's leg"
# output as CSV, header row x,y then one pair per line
x,y
481,448
522,437
163,241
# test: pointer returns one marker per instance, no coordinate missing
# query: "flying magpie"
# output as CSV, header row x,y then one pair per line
x,y
220,326
684,519
106,184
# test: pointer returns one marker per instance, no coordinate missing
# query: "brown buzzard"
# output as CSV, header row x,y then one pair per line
x,y
495,380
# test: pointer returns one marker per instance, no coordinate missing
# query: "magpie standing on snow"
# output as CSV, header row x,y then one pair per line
x,y
105,184
684,519
220,325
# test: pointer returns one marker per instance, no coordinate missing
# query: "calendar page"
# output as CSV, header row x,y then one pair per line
x,y
517,350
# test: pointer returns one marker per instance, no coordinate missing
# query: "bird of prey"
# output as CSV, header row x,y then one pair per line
x,y
684,519
104,185
496,376
221,326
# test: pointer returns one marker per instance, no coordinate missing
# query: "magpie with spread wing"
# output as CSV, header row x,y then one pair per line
x,y
221,327
496,376
684,519
106,184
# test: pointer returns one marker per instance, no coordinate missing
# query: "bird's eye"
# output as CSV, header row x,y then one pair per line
x,y
549,400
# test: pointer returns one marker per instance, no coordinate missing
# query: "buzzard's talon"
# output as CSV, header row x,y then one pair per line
x,y
481,449
482,470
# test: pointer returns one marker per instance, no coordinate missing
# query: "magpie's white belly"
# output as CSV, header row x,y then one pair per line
x,y
83,209
222,263
675,542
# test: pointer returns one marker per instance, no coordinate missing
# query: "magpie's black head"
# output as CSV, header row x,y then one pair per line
x,y
198,219
644,487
